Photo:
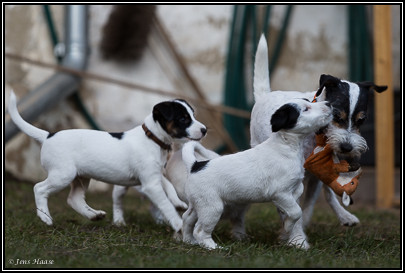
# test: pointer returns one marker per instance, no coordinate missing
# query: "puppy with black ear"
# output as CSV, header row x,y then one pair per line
x,y
177,120
226,181
134,157
349,102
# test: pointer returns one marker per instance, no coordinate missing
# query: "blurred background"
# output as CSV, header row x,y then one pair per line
x,y
125,59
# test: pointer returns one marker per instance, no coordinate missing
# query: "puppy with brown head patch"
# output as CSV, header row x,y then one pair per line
x,y
349,102
134,157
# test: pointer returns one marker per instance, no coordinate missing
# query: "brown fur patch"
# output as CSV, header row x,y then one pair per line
x,y
171,128
360,116
340,119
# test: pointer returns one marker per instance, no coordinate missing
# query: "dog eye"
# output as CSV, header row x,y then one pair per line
x,y
360,121
338,119
306,109
184,119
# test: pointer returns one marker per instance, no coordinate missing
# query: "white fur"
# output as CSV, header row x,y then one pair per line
x,y
75,156
177,173
265,105
354,97
230,180
176,170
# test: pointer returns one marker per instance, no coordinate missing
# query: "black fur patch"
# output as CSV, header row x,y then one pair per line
x,y
285,117
117,135
51,135
198,166
339,97
173,117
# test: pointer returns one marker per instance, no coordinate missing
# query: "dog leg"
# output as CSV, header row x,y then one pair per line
x,y
345,217
238,222
77,200
54,183
172,195
203,234
118,212
189,220
153,189
313,188
208,217
293,221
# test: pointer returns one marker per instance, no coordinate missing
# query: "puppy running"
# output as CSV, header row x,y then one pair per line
x,y
129,158
349,102
277,176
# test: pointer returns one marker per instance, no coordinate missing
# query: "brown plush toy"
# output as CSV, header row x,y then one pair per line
x,y
334,173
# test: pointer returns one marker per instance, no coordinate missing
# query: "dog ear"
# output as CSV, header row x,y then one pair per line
x,y
284,118
373,86
326,81
163,111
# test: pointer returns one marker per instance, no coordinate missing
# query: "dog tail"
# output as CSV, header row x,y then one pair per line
x,y
189,158
188,155
204,152
261,79
34,132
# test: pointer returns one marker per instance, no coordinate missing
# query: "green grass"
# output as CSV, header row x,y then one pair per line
x,y
75,242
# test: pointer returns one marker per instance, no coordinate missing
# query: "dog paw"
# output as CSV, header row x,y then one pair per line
x,y
300,244
209,244
299,241
119,223
99,215
47,219
176,224
349,220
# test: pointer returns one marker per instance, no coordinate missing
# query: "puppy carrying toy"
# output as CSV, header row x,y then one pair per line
x,y
349,101
338,175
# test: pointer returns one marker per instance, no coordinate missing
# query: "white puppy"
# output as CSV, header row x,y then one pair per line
x,y
271,171
129,158
177,173
349,102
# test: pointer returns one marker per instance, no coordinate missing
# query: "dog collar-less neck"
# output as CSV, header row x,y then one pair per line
x,y
150,135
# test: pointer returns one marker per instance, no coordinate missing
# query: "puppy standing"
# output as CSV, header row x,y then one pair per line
x,y
277,176
176,171
133,157
349,102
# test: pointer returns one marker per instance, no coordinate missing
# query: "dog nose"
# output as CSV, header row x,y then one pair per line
x,y
346,147
204,131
